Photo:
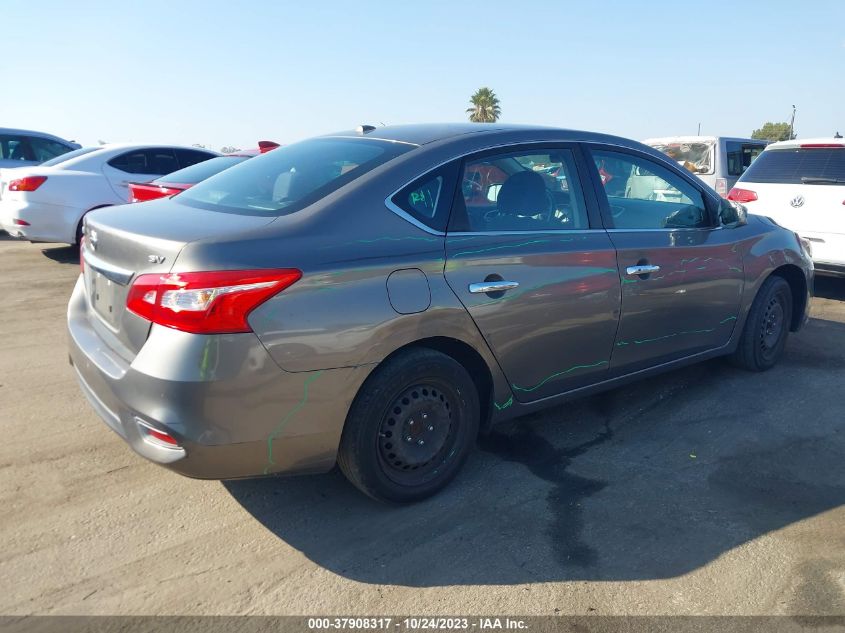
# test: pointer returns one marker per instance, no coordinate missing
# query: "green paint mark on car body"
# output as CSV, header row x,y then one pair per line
x,y
504,405
288,417
559,373
496,248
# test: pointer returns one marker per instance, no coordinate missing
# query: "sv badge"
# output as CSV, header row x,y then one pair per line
x,y
155,259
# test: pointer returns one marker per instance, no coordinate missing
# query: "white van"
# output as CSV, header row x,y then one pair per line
x,y
717,160
801,185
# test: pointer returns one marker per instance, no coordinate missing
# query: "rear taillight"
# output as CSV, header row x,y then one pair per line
x,y
216,302
722,187
143,193
29,183
19,222
742,195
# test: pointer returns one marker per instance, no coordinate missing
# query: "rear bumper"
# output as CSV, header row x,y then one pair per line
x,y
45,222
233,411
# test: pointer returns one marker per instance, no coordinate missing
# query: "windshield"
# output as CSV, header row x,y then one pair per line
x,y
201,171
696,157
292,177
74,154
797,166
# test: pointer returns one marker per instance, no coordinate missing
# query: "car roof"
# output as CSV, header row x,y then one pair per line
x,y
427,133
424,133
798,142
109,146
12,130
700,139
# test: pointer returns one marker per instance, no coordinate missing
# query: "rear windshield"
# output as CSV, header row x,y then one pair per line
x,y
696,157
292,177
201,171
74,154
797,166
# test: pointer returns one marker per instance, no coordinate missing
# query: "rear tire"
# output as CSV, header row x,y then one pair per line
x,y
767,327
411,427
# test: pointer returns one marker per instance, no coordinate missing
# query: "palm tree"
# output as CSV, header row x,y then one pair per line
x,y
485,106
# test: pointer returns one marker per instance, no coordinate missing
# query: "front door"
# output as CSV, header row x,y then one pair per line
x,y
681,273
525,255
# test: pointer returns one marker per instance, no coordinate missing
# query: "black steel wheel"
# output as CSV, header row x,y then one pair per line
x,y
411,427
766,328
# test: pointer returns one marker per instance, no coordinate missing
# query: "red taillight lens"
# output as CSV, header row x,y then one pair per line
x,y
722,187
216,302
742,195
29,183
143,193
19,222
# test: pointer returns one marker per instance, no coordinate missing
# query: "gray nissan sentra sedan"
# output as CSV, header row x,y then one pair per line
x,y
377,298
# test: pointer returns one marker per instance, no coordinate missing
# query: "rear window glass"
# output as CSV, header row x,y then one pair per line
x,y
74,154
201,171
796,166
292,177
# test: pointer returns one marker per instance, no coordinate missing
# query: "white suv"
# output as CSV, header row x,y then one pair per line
x,y
801,185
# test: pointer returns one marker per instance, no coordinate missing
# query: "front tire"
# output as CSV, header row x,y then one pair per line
x,y
411,427
767,327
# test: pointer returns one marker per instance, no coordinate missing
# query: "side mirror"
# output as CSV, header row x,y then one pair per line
x,y
493,192
732,214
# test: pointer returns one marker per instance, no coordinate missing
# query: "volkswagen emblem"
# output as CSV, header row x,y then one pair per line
x,y
797,201
92,239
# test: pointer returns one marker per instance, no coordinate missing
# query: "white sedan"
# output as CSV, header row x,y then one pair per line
x,y
46,203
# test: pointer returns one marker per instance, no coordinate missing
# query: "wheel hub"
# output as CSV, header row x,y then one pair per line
x,y
416,428
772,324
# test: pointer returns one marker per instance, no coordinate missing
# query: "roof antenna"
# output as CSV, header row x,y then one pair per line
x,y
363,129
837,135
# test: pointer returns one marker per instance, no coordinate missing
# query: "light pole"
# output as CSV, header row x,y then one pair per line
x,y
792,124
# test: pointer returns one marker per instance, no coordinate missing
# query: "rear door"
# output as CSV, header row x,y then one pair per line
x,y
526,255
681,274
803,189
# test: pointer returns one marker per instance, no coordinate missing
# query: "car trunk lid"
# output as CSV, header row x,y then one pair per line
x,y
126,241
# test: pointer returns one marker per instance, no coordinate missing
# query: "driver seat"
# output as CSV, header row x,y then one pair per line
x,y
522,195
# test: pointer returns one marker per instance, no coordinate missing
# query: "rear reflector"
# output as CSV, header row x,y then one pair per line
x,y
19,222
155,436
29,183
217,302
742,195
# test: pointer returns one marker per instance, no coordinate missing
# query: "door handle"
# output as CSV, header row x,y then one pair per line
x,y
492,286
641,270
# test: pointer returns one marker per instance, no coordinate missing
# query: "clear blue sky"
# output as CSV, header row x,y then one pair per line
x,y
220,73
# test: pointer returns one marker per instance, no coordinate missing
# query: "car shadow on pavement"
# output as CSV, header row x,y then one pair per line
x,y
648,481
62,254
